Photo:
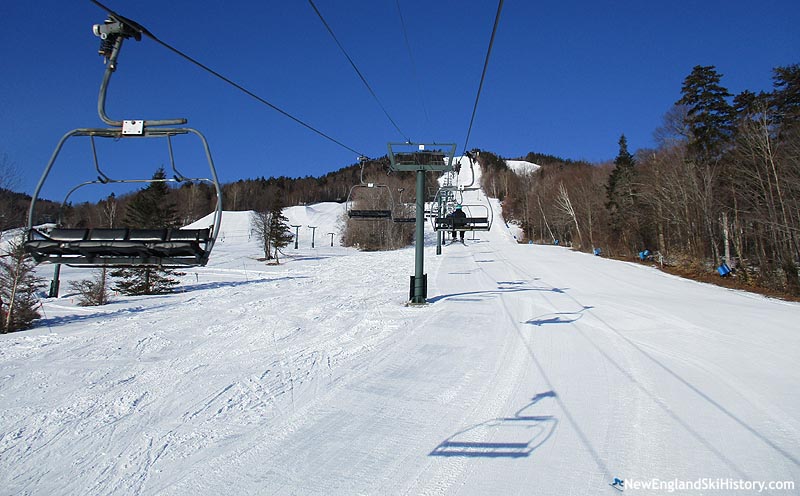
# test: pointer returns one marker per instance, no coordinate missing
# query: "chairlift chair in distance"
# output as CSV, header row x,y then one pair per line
x,y
378,193
443,204
403,220
123,247
403,213
479,216
475,221
427,157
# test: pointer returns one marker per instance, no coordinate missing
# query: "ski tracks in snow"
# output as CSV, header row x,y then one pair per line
x,y
667,366
533,370
183,379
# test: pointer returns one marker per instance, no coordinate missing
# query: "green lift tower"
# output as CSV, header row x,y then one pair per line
x,y
422,158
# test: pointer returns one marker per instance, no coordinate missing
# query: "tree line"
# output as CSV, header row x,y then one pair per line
x,y
721,186
194,200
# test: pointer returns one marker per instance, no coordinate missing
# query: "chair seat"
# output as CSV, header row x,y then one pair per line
x,y
120,246
370,214
463,224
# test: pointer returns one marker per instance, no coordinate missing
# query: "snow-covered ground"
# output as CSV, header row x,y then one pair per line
x,y
522,167
532,370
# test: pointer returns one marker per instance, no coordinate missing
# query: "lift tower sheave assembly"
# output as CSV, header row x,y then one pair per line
x,y
420,158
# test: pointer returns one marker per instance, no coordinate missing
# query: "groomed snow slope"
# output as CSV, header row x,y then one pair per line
x,y
522,167
533,370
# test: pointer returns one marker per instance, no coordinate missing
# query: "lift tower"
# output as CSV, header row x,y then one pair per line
x,y
420,158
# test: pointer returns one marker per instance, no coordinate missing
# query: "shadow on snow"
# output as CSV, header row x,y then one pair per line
x,y
502,288
558,317
69,319
232,284
505,437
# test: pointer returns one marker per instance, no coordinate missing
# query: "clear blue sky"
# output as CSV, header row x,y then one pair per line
x,y
565,78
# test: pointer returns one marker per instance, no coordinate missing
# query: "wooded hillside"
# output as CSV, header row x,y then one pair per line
x,y
723,186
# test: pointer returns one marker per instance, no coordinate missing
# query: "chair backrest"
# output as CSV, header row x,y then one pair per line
x,y
201,235
108,234
147,235
60,234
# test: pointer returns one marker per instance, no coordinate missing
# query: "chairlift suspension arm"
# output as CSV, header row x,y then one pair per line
x,y
141,30
471,169
114,32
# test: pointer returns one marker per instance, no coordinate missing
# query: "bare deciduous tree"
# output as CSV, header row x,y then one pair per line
x,y
565,205
18,286
94,291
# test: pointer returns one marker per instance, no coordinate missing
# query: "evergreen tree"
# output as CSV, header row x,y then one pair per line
x,y
272,230
621,194
709,115
786,97
18,287
745,104
280,233
152,207
145,280
149,208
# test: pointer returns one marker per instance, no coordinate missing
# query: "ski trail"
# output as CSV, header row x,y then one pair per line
x,y
533,369
628,357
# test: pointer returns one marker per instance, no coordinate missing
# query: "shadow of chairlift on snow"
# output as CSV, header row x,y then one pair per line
x,y
505,437
558,317
50,322
502,287
205,286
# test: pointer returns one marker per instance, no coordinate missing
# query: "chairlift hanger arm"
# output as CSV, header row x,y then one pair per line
x,y
227,80
112,34
472,170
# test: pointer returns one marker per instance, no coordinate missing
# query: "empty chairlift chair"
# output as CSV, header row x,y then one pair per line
x,y
369,201
404,213
123,246
379,203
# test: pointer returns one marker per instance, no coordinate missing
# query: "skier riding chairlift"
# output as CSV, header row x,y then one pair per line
x,y
459,220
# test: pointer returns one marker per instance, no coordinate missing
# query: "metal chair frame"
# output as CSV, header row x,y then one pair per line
x,y
123,247
368,214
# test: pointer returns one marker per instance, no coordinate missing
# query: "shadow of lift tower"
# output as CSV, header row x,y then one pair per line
x,y
420,158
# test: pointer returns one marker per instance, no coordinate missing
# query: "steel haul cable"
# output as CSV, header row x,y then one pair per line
x,y
360,75
138,27
483,74
413,65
